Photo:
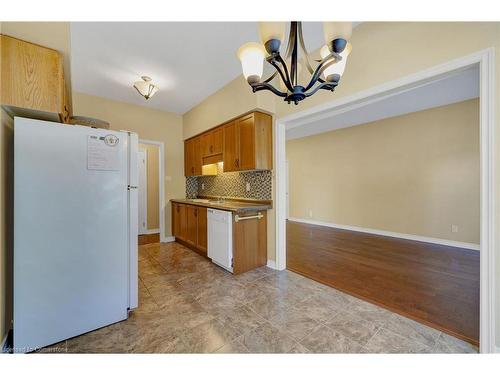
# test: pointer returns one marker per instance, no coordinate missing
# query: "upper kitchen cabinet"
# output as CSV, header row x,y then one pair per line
x,y
248,143
211,142
192,157
32,80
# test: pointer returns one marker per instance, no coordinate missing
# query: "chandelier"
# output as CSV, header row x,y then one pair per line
x,y
324,76
146,87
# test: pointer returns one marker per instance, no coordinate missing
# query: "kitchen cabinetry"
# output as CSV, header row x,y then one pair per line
x,y
211,142
248,143
192,157
32,81
189,225
242,144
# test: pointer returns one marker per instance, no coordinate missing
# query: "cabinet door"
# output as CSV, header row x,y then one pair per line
x,y
176,222
206,144
217,138
230,148
182,222
202,229
246,139
196,159
188,156
32,76
191,225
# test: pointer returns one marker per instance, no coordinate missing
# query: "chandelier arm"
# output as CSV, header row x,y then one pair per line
x,y
323,86
266,86
270,78
291,41
319,70
304,50
284,76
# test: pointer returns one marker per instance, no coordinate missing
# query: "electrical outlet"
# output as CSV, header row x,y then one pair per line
x,y
202,186
248,186
454,228
310,213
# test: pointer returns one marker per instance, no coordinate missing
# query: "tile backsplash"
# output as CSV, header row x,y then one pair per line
x,y
231,184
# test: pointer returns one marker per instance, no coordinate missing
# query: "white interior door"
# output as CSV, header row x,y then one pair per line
x,y
143,191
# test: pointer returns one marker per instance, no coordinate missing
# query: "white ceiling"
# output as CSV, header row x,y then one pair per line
x,y
453,88
187,60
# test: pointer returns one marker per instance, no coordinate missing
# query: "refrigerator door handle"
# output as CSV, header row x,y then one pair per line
x,y
132,187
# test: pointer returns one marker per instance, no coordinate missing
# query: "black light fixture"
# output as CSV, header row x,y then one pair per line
x,y
325,76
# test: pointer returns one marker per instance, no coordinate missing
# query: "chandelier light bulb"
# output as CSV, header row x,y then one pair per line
x,y
252,56
336,70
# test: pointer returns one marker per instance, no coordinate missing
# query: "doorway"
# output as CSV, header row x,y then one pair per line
x,y
485,61
142,192
150,192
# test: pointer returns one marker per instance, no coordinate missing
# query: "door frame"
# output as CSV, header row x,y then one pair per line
x,y
145,204
486,61
161,189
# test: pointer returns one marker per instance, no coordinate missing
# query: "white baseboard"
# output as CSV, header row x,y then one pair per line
x,y
150,231
168,239
437,241
271,264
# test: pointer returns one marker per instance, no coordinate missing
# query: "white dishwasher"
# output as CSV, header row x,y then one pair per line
x,y
220,238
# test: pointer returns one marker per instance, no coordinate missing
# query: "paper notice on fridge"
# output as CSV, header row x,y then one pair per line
x,y
103,153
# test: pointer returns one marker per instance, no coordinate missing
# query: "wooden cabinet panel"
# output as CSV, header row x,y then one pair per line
x,y
176,222
191,224
197,156
230,148
192,157
245,128
32,77
206,144
183,222
249,244
217,140
202,229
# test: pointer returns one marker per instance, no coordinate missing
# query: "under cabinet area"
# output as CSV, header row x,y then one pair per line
x,y
241,144
248,234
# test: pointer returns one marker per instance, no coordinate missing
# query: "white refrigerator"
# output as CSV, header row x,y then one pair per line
x,y
75,230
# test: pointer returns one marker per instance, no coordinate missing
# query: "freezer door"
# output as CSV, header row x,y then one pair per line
x,y
133,225
70,231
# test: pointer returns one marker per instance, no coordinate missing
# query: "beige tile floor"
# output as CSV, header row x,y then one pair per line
x,y
189,305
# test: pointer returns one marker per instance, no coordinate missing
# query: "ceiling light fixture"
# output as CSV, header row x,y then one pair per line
x,y
326,74
145,87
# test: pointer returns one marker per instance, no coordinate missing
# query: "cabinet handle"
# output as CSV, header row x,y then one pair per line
x,y
192,169
195,212
237,162
211,148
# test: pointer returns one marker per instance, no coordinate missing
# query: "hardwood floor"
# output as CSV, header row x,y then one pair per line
x,y
434,284
145,239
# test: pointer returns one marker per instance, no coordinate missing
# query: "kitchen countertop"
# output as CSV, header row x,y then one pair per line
x,y
237,206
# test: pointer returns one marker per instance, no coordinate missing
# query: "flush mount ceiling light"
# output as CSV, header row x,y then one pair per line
x,y
325,76
145,87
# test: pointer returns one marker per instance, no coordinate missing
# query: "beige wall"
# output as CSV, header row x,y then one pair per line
x,y
232,100
152,176
150,124
415,174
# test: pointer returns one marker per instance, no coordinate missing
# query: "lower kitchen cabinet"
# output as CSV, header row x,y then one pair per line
x,y
189,225
202,229
249,243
